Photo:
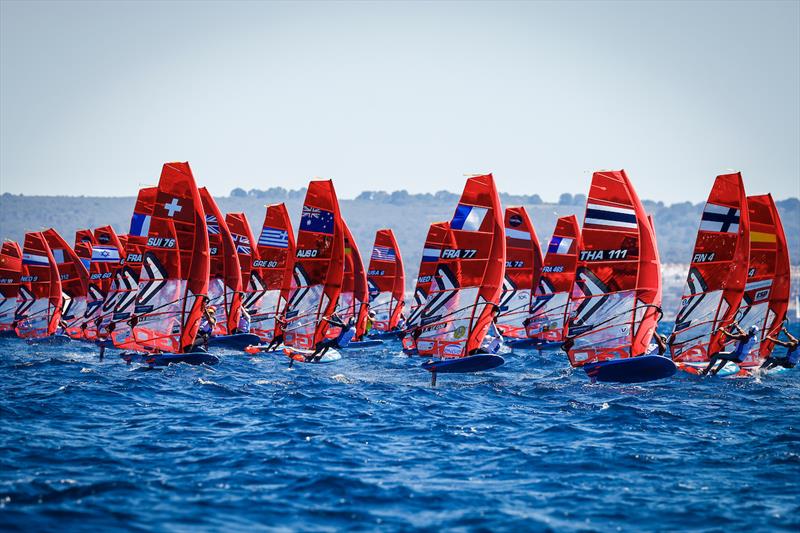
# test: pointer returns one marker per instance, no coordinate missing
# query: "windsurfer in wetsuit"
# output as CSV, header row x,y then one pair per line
x,y
745,340
346,333
659,344
790,358
280,326
243,325
207,323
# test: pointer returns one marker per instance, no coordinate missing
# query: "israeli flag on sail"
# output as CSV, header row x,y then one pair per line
x,y
559,245
468,218
274,237
34,259
105,254
430,254
615,217
720,219
140,225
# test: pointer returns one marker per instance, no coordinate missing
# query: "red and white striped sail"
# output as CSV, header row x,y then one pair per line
x,y
717,274
386,281
10,273
469,274
434,241
225,282
271,275
106,256
766,294
175,266
523,266
550,306
39,299
354,297
74,283
318,267
614,305
126,281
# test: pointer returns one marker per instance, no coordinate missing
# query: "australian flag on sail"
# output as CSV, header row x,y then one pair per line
x,y
275,237
383,253
468,217
212,224
140,225
606,215
317,220
559,245
105,254
720,218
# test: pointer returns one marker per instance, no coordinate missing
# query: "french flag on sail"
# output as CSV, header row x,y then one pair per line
x,y
105,254
140,225
430,254
614,217
468,217
559,245
34,259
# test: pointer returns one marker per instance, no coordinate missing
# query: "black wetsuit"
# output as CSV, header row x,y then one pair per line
x,y
789,359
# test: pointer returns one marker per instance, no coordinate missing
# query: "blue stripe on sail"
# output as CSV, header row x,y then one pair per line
x,y
611,215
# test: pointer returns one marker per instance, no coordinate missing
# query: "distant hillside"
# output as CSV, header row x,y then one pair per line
x,y
408,215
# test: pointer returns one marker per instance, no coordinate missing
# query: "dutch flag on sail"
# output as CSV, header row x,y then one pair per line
x,y
34,259
468,217
140,225
606,215
383,253
720,219
559,245
105,254
430,255
274,237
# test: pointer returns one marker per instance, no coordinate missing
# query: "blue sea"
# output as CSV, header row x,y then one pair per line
x,y
367,444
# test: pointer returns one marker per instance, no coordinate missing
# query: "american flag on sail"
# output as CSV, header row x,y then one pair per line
x,y
383,253
275,237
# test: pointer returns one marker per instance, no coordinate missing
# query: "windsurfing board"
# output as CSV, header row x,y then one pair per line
x,y
366,343
460,365
631,370
697,367
56,340
165,359
394,334
236,341
302,356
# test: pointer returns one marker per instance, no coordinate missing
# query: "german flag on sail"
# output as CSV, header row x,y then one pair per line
x,y
760,236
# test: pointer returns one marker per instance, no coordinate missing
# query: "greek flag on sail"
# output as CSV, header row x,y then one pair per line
x,y
274,237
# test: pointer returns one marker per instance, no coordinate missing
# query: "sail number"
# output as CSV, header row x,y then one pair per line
x,y
603,255
376,272
260,263
553,269
305,254
26,279
703,258
160,242
451,253
515,264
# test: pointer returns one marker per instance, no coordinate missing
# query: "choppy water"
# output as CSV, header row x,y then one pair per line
x,y
365,443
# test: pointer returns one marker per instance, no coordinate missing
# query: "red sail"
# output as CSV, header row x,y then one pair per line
x,y
717,274
225,283
175,266
271,275
434,241
550,305
84,235
469,274
766,294
74,283
613,309
354,297
318,267
523,266
106,256
386,279
39,299
10,273
126,281
243,239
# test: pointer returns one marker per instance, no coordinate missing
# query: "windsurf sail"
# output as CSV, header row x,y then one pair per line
x,y
318,268
386,281
84,235
243,239
614,305
717,273
74,283
39,300
469,274
105,258
550,306
434,241
766,295
354,296
225,283
523,267
271,274
175,265
10,273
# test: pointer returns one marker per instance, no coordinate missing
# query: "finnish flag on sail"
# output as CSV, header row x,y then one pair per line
x,y
606,215
34,259
468,218
140,225
559,245
105,254
274,237
720,219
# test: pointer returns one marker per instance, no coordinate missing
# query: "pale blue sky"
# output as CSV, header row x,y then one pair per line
x,y
94,97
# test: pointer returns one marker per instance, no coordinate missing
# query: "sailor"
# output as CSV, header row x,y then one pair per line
x,y
370,322
401,322
280,327
207,323
745,340
61,329
243,326
659,344
348,330
790,358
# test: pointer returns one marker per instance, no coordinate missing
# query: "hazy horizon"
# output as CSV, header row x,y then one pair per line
x,y
95,97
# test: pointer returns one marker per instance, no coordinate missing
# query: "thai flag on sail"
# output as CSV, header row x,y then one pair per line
x,y
274,237
614,217
212,224
140,225
105,254
383,253
317,220
720,218
430,254
559,245
468,217
34,259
